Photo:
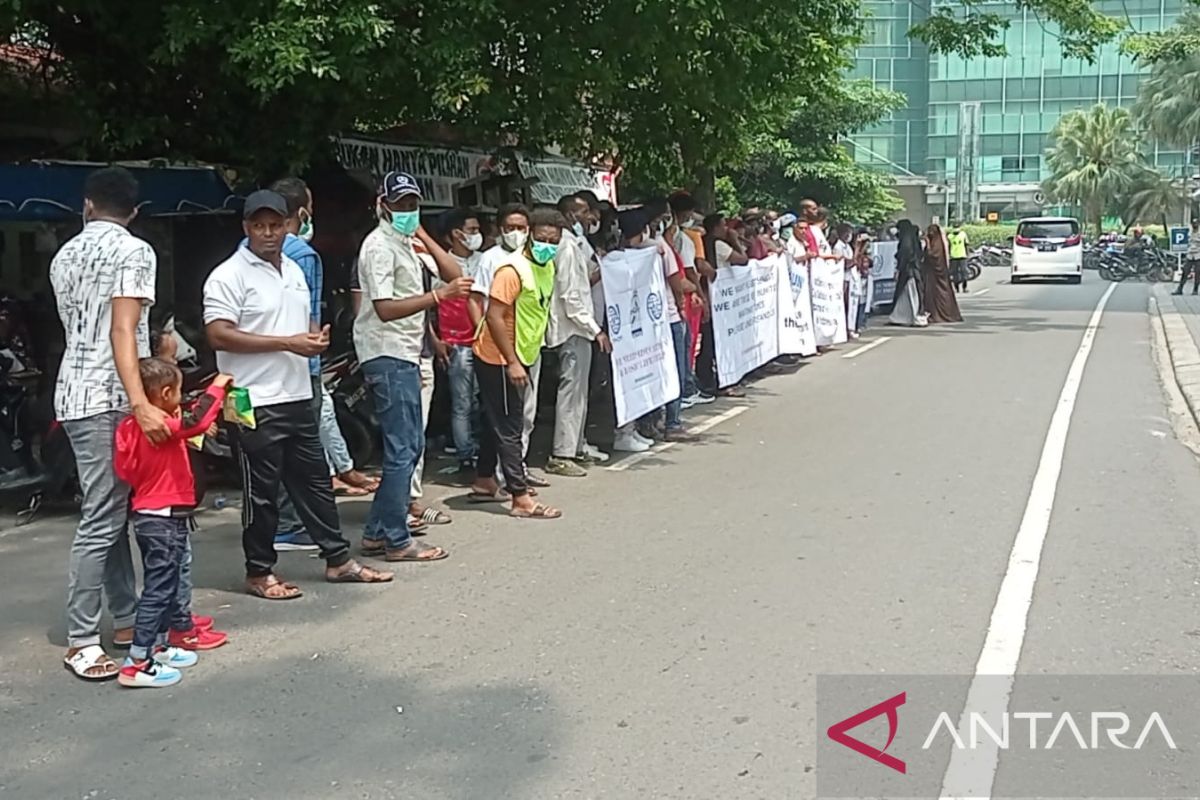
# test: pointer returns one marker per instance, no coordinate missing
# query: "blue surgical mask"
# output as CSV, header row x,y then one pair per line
x,y
406,222
577,228
542,252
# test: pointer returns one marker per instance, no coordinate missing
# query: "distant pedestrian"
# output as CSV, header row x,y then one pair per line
x,y
958,241
940,302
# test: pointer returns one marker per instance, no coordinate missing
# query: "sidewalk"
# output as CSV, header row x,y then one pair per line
x,y
1180,316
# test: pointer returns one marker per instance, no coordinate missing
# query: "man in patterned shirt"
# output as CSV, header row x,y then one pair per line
x,y
103,283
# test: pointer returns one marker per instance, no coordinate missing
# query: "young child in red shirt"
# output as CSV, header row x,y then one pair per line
x,y
163,502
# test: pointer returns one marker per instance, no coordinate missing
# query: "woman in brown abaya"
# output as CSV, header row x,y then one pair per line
x,y
940,303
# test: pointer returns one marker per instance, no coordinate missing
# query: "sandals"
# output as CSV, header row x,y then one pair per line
x,y
499,496
358,480
540,511
360,573
341,489
88,658
536,481
417,553
267,589
431,516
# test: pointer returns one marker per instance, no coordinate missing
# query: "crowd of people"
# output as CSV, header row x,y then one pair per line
x,y
483,299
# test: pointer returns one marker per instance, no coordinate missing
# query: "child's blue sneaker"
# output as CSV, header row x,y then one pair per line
x,y
175,657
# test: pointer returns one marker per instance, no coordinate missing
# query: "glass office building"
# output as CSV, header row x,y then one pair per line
x,y
1020,98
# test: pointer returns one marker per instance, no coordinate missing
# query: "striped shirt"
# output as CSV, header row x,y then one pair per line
x,y
102,262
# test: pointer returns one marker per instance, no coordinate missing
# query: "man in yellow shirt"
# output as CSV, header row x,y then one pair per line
x,y
957,239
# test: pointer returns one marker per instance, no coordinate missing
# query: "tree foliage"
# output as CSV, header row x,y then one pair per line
x,y
1176,43
1168,104
807,157
1094,160
972,29
671,87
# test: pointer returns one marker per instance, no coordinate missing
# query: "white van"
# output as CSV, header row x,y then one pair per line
x,y
1048,247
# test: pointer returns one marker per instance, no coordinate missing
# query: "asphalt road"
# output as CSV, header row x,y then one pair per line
x,y
662,640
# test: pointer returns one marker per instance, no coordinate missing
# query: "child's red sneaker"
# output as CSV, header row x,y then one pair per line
x,y
197,639
203,623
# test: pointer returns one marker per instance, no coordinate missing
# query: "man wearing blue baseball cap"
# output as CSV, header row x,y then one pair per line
x,y
389,332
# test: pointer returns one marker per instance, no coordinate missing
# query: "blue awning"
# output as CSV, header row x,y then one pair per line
x,y
47,191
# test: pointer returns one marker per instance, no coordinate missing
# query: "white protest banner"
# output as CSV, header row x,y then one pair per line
x,y
796,335
883,274
828,305
745,311
645,376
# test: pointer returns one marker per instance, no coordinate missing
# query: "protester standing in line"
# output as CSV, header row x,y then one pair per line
x,y
258,318
940,302
104,284
722,249
957,241
389,335
509,344
689,243
571,330
463,238
660,235
1191,262
843,252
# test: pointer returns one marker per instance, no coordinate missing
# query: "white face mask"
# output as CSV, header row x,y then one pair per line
x,y
473,241
577,228
513,241
594,228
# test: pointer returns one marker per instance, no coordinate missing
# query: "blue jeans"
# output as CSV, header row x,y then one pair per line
x,y
679,335
163,541
464,401
182,619
396,387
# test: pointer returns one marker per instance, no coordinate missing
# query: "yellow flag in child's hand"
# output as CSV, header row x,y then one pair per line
x,y
238,408
196,442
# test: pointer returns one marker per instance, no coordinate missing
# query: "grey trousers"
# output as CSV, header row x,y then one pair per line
x,y
531,405
101,561
570,412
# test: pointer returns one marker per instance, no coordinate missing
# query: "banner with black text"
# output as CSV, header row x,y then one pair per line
x,y
745,317
827,279
645,376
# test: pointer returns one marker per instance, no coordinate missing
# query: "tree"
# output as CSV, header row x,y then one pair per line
x,y
1153,196
1093,160
1168,104
1179,42
969,29
806,157
674,88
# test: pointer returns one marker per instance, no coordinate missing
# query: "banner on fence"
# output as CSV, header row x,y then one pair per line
x,y
745,315
796,335
645,376
828,302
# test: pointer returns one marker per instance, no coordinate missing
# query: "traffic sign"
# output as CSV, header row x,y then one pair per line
x,y
1179,240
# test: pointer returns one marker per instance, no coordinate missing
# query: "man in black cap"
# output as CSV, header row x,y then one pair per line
x,y
258,320
389,336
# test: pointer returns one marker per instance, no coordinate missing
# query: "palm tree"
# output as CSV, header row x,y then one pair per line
x,y
1154,196
1168,103
1093,160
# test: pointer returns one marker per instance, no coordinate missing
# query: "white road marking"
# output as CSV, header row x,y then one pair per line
x,y
866,347
971,772
980,293
662,447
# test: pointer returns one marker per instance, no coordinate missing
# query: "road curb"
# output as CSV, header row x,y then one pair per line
x,y
1181,348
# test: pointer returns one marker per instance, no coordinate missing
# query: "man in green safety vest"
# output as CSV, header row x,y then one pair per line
x,y
957,239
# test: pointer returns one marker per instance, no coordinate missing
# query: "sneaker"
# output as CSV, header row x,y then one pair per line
x,y
646,440
294,542
148,674
701,398
687,402
565,468
595,452
203,623
197,639
630,443
854,335
174,657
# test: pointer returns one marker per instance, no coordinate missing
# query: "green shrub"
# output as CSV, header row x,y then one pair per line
x,y
981,234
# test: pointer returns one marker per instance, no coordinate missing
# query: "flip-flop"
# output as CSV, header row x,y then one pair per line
x,y
346,490
259,590
413,553
360,573
540,511
537,482
485,497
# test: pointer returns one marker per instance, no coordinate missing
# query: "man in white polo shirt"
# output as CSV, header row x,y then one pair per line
x,y
257,316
